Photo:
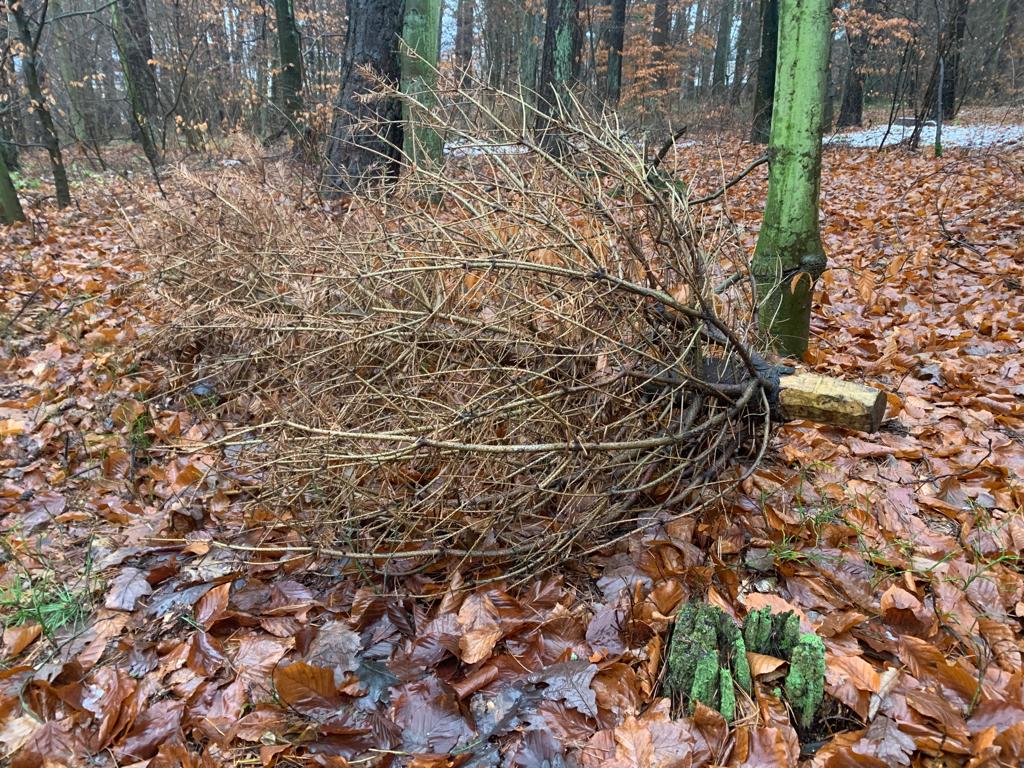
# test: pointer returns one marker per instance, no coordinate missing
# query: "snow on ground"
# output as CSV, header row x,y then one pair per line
x,y
477,147
974,136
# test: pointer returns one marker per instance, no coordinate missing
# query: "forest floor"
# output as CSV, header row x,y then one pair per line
x,y
130,638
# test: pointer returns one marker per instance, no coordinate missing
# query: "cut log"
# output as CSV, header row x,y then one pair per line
x,y
826,400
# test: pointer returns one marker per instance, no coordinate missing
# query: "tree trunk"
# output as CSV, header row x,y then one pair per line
x,y
10,118
366,137
1002,59
529,57
697,52
616,42
135,50
290,50
954,55
789,256
764,95
73,85
828,111
559,61
420,34
851,112
659,42
463,39
744,42
10,207
722,47
33,80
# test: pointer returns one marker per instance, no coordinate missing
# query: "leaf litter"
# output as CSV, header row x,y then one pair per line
x,y
902,549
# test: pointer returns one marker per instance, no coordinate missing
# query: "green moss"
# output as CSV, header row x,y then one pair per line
x,y
727,694
706,647
772,634
741,667
787,629
805,683
757,630
707,658
705,682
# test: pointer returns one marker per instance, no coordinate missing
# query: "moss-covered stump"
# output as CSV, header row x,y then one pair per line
x,y
707,659
707,656
779,635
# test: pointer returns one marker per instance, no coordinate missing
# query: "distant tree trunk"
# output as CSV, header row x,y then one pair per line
x,y
33,80
420,33
954,55
695,61
262,110
707,54
764,95
463,38
744,42
789,257
659,41
680,36
72,83
135,50
616,41
366,137
851,112
10,117
10,207
559,60
114,120
290,50
1000,62
530,55
722,47
828,110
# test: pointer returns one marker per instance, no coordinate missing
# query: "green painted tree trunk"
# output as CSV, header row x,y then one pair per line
x,y
789,256
10,207
290,78
420,37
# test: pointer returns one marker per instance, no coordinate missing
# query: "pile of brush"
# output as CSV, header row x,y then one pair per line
x,y
512,359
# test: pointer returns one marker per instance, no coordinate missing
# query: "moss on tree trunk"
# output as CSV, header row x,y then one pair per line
x,y
789,256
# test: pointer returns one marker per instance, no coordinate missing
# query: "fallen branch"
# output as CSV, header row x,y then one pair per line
x,y
732,182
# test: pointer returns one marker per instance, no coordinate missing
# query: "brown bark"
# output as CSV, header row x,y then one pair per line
x,y
366,137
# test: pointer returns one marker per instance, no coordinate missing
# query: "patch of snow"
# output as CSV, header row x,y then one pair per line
x,y
973,136
478,147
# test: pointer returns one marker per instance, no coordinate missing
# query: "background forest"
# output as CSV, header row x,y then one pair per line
x,y
199,71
